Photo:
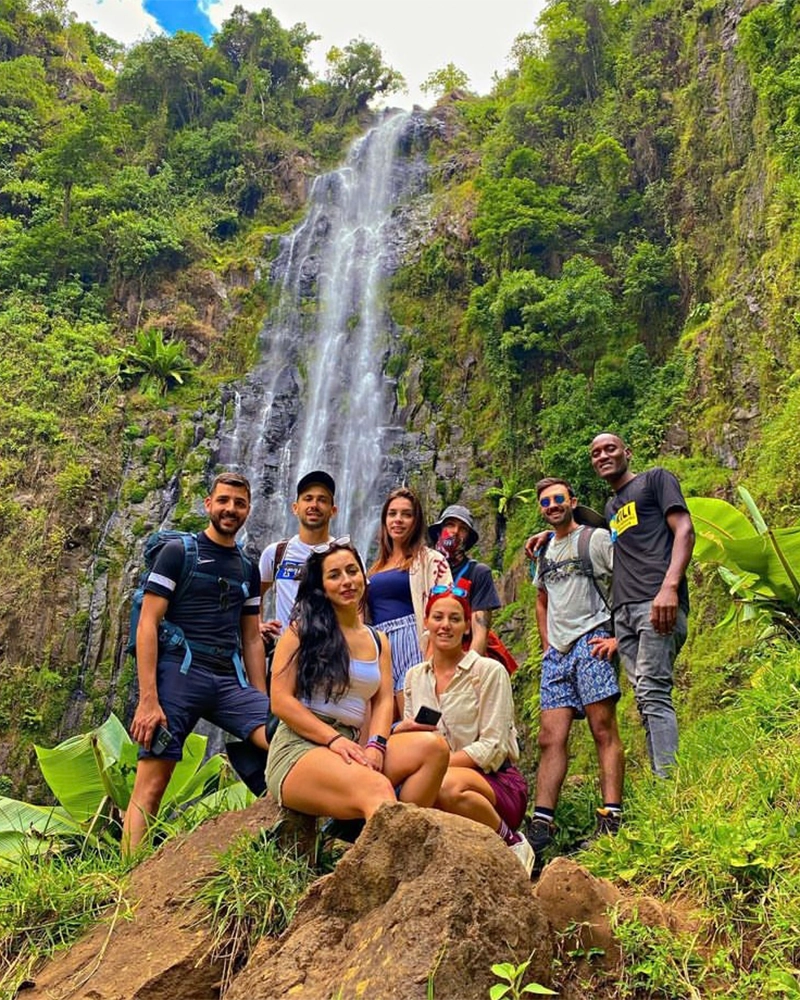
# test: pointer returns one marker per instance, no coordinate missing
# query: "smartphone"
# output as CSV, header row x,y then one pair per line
x,y
427,716
162,738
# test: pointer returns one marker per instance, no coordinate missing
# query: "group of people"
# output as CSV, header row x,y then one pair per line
x,y
380,677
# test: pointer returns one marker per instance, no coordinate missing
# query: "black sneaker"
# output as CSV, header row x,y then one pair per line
x,y
608,822
540,834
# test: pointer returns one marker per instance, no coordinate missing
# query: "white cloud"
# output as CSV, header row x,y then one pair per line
x,y
125,20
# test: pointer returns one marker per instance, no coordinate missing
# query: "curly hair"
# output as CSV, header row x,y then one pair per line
x,y
415,539
323,658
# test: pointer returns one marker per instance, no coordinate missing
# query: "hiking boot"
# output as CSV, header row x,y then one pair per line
x,y
524,852
540,835
608,823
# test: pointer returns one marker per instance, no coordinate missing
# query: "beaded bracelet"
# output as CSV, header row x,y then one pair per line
x,y
375,745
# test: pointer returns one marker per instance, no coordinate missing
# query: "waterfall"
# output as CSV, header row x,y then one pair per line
x,y
318,397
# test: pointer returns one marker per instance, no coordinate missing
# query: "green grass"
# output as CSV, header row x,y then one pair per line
x,y
252,893
46,902
719,838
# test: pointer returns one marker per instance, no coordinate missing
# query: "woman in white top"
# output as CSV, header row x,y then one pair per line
x,y
473,694
330,674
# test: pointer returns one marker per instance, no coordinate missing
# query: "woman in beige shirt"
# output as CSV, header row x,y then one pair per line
x,y
473,695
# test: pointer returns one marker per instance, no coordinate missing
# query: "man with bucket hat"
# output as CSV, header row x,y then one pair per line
x,y
454,534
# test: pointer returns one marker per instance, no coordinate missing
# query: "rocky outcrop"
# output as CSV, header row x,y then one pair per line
x,y
422,897
422,901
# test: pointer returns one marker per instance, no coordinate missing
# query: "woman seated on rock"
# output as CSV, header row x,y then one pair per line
x,y
331,673
473,694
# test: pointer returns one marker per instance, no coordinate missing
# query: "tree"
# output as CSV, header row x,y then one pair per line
x,y
357,73
444,81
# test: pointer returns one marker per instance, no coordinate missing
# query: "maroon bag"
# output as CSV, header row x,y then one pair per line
x,y
497,649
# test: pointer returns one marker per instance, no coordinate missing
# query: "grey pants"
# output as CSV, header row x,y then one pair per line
x,y
648,659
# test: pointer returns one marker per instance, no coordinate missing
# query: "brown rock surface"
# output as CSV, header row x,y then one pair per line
x,y
421,894
163,952
578,905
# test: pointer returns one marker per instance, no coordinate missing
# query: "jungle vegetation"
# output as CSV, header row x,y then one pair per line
x,y
614,245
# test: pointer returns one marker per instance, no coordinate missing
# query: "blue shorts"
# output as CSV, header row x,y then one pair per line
x,y
202,694
576,678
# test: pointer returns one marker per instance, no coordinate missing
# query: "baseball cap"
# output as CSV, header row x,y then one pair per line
x,y
317,478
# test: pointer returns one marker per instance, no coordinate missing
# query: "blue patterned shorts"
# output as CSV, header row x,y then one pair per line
x,y
576,678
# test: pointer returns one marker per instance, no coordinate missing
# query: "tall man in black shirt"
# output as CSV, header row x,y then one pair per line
x,y
218,611
653,538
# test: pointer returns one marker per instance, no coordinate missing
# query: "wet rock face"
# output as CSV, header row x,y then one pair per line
x,y
421,894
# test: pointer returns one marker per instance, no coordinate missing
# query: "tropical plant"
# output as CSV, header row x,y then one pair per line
x,y
511,985
760,565
156,364
91,776
510,493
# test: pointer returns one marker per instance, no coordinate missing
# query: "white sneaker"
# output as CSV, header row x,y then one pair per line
x,y
524,852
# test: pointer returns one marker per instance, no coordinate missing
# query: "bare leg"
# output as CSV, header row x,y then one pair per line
x,y
602,719
554,729
152,778
418,761
322,784
466,792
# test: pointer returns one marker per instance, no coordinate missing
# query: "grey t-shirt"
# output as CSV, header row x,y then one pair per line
x,y
574,607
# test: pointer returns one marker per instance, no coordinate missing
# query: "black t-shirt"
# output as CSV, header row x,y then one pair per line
x,y
210,610
483,594
641,537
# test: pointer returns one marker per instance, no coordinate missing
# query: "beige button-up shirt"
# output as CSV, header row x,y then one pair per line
x,y
477,708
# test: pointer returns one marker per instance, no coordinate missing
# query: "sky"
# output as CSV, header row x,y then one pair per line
x,y
416,37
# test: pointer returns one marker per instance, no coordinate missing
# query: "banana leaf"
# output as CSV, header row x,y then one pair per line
x,y
84,770
715,523
26,829
774,557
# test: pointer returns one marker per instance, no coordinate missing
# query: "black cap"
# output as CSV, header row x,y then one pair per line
x,y
317,478
585,515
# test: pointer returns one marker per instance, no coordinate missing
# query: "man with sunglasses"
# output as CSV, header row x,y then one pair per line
x,y
454,535
282,561
573,576
222,677
653,538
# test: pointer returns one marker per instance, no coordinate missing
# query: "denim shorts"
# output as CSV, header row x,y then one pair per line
x,y
577,678
201,693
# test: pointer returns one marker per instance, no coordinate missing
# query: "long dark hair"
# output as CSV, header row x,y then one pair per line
x,y
415,539
323,658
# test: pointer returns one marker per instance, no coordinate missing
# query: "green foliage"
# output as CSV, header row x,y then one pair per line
x,y
721,837
760,565
511,985
444,81
357,73
91,776
156,364
47,902
252,894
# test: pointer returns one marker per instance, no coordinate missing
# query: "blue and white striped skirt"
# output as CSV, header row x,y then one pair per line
x,y
404,642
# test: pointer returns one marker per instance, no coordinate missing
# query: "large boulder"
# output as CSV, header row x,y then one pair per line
x,y
421,896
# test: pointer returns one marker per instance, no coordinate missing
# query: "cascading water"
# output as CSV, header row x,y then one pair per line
x,y
319,398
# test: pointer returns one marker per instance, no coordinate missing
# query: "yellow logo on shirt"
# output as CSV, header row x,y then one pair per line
x,y
624,518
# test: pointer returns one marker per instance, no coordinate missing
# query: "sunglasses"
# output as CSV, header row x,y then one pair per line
x,y
559,498
333,543
449,588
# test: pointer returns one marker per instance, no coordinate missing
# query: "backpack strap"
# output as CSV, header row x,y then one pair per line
x,y
465,573
280,552
584,541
